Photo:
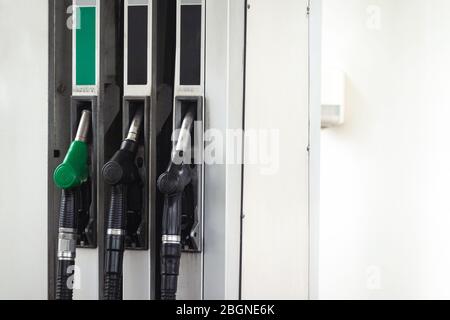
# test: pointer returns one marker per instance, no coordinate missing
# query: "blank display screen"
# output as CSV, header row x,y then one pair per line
x,y
137,45
190,51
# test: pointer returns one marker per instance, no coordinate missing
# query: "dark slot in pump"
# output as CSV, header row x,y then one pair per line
x,y
137,211
87,217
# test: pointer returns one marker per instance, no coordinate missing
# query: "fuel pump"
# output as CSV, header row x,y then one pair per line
x,y
69,176
123,247
121,173
182,184
115,61
172,184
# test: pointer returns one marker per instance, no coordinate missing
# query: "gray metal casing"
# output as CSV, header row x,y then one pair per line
x,y
215,273
89,261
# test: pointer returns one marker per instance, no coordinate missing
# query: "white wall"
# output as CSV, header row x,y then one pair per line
x,y
23,139
385,216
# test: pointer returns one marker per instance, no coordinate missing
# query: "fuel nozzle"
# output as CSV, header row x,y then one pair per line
x,y
120,172
121,168
172,184
74,170
69,176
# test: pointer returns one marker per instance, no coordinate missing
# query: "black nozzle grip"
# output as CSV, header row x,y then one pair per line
x,y
121,169
171,223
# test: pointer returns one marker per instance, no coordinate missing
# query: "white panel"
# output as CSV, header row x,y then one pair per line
x,y
315,61
23,137
276,224
136,275
225,22
83,90
86,275
138,90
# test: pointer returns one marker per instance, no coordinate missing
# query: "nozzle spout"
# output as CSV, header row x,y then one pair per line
x,y
84,126
183,144
136,125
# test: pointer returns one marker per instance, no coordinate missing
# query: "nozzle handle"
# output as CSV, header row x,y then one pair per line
x,y
74,170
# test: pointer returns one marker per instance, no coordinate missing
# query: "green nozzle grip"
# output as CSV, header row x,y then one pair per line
x,y
74,170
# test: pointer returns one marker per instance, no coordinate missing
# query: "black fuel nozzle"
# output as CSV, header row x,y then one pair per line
x,y
172,184
120,172
121,169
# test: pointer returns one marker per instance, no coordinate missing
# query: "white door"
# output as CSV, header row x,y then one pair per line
x,y
276,234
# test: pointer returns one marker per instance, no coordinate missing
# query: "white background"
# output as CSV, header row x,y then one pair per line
x,y
23,140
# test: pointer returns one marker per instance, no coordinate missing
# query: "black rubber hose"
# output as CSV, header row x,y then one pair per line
x,y
172,183
115,244
68,209
67,243
171,250
64,280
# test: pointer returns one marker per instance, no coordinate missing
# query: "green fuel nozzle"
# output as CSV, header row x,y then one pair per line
x,y
71,174
74,171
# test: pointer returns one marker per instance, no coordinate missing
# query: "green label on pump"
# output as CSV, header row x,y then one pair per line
x,y
85,47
